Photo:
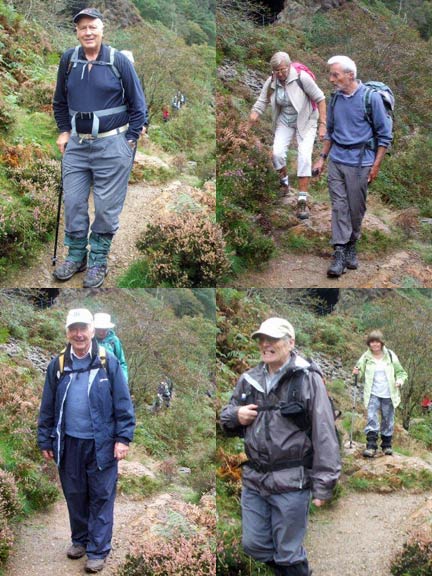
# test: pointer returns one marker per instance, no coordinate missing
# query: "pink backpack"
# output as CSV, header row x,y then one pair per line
x,y
299,67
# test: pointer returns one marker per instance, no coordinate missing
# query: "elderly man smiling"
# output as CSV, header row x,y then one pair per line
x,y
86,422
282,410
100,111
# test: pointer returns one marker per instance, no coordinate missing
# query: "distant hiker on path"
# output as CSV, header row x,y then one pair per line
x,y
356,148
165,113
100,110
297,105
86,422
282,410
383,377
106,337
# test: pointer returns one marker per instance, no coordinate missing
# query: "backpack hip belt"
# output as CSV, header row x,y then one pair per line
x,y
95,115
103,134
306,462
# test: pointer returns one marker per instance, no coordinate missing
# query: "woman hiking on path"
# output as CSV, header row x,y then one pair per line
x,y
298,106
383,377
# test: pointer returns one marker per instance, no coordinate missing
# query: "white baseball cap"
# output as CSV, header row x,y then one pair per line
x,y
103,321
79,316
275,328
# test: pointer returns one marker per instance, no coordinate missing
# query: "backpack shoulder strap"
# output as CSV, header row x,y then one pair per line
x,y
73,60
60,364
331,105
116,71
368,104
102,356
299,82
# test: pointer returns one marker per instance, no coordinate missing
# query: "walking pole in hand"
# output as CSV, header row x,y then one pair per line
x,y
353,409
54,258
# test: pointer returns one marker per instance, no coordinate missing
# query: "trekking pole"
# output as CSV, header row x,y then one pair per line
x,y
353,409
54,258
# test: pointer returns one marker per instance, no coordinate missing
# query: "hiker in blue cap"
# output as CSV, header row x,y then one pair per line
x,y
86,422
100,110
357,139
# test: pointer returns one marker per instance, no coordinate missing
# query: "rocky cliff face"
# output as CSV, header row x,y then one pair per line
x,y
295,11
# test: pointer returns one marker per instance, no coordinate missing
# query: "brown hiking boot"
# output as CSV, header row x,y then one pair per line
x,y
75,551
96,565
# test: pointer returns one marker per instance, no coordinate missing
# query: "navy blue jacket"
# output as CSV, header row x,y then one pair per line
x,y
111,408
99,89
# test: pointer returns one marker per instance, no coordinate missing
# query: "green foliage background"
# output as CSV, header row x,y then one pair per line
x,y
165,333
28,66
404,317
385,44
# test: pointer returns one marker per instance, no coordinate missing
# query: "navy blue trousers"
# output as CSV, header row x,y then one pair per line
x,y
90,495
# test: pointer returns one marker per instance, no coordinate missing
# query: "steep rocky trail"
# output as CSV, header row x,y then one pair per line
x,y
290,268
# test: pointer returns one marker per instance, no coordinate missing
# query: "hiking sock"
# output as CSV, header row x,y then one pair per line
x,y
77,247
100,245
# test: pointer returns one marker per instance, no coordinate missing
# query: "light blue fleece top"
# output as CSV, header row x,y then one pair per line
x,y
77,410
347,117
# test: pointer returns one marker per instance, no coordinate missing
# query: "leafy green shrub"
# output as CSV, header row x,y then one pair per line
x,y
35,486
27,220
6,116
142,486
414,560
422,431
37,95
6,537
184,252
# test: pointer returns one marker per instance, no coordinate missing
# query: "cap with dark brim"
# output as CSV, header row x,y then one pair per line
x,y
88,13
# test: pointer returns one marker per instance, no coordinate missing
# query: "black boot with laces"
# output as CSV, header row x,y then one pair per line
x,y
338,265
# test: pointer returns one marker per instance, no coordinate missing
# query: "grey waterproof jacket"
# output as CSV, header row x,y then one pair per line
x,y
273,441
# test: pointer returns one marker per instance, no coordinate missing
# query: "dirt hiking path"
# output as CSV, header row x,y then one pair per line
x,y
40,549
292,269
144,202
137,212
360,534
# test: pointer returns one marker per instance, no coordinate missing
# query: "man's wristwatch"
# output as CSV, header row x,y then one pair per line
x,y
323,156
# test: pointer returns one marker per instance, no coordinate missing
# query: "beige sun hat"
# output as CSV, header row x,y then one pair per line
x,y
275,328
